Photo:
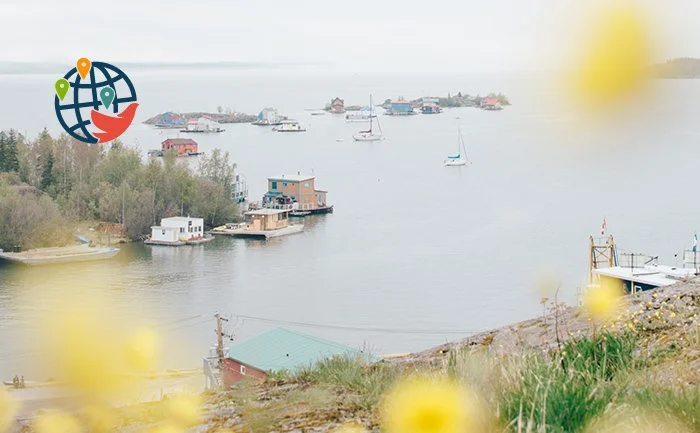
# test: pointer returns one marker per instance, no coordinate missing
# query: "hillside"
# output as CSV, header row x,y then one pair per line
x,y
550,374
678,68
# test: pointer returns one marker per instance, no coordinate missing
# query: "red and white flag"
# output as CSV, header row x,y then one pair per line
x,y
603,227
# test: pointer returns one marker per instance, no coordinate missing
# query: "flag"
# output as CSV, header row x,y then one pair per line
x,y
695,243
603,227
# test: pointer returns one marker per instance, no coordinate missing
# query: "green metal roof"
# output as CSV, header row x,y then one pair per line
x,y
283,349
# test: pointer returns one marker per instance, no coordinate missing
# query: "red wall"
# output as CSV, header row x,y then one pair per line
x,y
232,372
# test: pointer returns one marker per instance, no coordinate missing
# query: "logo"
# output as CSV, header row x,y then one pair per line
x,y
89,99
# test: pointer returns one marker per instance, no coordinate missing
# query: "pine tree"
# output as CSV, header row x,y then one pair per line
x,y
11,161
47,176
3,156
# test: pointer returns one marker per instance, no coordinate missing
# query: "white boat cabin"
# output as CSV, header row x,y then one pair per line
x,y
178,229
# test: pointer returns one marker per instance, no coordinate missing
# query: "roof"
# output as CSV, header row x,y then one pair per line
x,y
297,178
657,276
283,349
179,141
179,218
490,101
267,211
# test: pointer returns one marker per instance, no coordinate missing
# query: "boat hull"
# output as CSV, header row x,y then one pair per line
x,y
266,234
455,163
52,256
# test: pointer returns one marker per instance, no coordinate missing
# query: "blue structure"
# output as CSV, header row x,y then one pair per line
x,y
400,108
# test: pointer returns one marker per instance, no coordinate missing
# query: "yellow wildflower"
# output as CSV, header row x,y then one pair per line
x,y
422,405
185,409
8,409
602,302
350,428
99,419
57,422
140,350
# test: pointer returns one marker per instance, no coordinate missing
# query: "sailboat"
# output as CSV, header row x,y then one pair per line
x,y
369,135
461,157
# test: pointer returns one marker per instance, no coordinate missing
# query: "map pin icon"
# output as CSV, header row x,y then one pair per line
x,y
83,66
62,86
107,96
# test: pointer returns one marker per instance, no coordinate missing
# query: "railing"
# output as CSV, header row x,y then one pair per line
x,y
691,259
637,261
212,373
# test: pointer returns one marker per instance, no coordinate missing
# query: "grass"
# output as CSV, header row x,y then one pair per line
x,y
683,405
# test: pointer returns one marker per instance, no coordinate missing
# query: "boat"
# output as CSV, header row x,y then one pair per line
x,y
202,125
69,254
369,134
177,231
289,126
262,223
318,113
461,157
268,117
431,109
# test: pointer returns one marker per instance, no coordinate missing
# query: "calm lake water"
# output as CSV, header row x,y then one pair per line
x,y
416,253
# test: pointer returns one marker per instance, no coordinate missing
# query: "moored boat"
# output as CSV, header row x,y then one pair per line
x,y
369,134
289,126
461,157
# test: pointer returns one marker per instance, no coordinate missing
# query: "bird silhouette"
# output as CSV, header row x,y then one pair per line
x,y
113,126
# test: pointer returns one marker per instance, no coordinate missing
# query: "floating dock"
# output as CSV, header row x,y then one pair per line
x,y
180,243
50,256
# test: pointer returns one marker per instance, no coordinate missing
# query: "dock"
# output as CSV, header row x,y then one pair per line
x,y
50,256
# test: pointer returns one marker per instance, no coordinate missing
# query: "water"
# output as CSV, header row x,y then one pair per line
x,y
416,253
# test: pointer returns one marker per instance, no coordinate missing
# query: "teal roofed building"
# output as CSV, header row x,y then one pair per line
x,y
280,350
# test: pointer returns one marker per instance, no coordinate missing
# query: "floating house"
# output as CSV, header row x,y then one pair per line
x,y
296,193
171,120
268,117
280,350
261,224
182,146
400,108
431,109
203,124
176,231
239,189
491,104
337,106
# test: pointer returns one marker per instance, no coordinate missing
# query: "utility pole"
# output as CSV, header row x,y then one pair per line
x,y
220,338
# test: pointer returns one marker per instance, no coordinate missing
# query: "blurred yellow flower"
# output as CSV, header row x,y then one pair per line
x,y
57,422
616,57
350,428
184,409
141,349
167,428
422,405
602,302
99,419
8,410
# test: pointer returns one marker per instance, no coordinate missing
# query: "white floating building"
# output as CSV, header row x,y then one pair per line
x,y
203,124
178,231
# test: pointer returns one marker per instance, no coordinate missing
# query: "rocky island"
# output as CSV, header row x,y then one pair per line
x,y
178,120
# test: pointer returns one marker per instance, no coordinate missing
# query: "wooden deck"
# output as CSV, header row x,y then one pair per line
x,y
262,234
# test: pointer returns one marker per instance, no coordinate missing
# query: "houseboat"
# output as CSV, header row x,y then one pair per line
x,y
289,126
431,109
263,224
297,194
171,120
491,104
202,125
177,231
268,117
400,108
337,106
182,146
360,116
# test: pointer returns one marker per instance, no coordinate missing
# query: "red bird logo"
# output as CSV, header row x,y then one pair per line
x,y
113,126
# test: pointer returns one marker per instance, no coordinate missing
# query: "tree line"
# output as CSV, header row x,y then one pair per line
x,y
49,184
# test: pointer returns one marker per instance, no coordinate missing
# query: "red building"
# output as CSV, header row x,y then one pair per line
x,y
183,146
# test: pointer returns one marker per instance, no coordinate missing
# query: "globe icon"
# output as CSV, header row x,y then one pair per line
x,y
75,110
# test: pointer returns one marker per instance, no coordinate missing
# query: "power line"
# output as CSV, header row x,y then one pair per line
x,y
362,329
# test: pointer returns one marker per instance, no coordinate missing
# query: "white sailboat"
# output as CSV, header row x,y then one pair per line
x,y
461,157
369,135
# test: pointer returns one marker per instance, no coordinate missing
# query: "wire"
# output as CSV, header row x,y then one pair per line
x,y
362,329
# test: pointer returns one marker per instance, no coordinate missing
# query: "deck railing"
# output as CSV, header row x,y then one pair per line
x,y
691,259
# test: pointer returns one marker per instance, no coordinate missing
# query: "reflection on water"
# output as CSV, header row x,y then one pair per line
x,y
412,245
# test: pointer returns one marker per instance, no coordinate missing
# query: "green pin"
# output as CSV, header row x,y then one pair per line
x,y
107,96
62,86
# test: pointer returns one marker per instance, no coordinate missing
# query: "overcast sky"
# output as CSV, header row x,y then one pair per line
x,y
343,35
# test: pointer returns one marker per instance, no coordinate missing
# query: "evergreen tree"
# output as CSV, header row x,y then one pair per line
x,y
3,157
47,176
9,150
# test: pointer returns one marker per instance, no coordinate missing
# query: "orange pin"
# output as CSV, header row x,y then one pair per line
x,y
83,66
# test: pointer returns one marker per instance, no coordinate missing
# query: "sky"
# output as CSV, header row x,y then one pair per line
x,y
332,35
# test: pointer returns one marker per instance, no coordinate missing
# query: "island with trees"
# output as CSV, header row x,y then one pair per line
x,y
49,186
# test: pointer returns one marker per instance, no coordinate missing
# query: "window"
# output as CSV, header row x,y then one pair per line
x,y
284,184
307,184
243,370
162,232
273,185
182,230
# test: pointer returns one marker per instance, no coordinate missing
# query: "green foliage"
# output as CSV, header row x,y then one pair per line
x,y
9,161
48,180
29,219
683,404
563,394
354,374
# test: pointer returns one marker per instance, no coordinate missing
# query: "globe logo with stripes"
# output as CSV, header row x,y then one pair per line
x,y
95,102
